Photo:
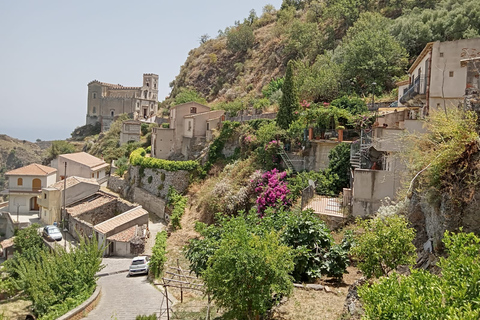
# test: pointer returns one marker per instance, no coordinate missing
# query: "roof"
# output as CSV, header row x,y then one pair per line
x,y
402,83
33,169
86,159
425,51
202,114
112,86
125,235
72,181
121,219
94,201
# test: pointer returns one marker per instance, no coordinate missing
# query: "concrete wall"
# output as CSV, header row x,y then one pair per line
x,y
177,115
163,142
387,139
78,169
321,151
414,126
370,187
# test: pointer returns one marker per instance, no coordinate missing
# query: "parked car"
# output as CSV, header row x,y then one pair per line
x,y
52,233
139,265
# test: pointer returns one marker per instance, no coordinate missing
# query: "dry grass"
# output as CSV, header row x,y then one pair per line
x,y
318,305
16,309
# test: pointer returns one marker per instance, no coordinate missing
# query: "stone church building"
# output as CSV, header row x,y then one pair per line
x,y
106,100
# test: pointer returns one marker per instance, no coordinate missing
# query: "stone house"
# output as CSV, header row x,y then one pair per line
x,y
51,198
440,75
106,101
25,185
131,131
112,221
81,164
190,125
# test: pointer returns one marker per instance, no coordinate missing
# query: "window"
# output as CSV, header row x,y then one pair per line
x,y
93,174
189,125
44,196
148,84
98,174
112,113
145,94
193,109
94,110
94,95
154,85
208,125
450,74
20,182
441,54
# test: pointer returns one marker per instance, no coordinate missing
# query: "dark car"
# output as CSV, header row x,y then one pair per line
x,y
52,233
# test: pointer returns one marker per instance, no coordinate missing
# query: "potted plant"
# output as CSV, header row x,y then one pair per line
x,y
340,132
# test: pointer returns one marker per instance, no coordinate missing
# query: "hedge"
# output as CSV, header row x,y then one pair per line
x,y
137,158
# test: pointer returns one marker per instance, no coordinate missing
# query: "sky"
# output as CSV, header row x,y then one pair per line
x,y
50,50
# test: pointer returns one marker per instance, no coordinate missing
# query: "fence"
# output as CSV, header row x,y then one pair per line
x,y
307,195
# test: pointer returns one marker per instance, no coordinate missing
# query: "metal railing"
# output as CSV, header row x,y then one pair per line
x,y
307,195
416,88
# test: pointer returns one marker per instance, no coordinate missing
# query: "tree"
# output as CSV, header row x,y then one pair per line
x,y
246,272
159,252
204,38
57,148
339,164
240,38
370,53
188,95
289,102
384,244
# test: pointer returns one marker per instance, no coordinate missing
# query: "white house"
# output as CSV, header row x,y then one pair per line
x,y
24,186
81,164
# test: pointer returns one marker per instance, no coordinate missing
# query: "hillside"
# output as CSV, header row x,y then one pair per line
x,y
16,153
339,47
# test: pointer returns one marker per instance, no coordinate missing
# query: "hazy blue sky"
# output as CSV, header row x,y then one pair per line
x,y
50,50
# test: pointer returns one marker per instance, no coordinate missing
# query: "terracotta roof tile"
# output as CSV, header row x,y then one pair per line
x,y
121,219
125,235
92,202
85,159
33,169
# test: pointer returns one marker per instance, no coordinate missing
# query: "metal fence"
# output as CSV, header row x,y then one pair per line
x,y
307,195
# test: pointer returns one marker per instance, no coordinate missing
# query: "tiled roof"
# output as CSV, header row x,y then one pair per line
x,y
125,235
87,204
72,181
121,219
33,169
85,159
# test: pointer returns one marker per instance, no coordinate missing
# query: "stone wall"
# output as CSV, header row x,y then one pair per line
x,y
79,228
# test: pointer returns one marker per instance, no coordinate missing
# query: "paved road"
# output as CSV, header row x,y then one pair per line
x,y
123,298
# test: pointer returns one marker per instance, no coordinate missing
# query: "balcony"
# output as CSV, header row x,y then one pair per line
x,y
418,87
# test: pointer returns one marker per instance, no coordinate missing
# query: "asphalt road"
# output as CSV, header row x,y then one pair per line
x,y
123,297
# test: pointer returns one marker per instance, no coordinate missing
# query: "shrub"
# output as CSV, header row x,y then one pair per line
x,y
137,158
273,191
122,166
383,245
178,202
241,38
159,252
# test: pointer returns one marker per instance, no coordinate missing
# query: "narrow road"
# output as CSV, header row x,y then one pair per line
x,y
122,297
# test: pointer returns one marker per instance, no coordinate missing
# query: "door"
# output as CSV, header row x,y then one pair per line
x,y
33,204
36,184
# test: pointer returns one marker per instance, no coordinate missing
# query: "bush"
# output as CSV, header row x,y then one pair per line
x,y
122,166
241,38
384,244
159,252
137,158
178,202
423,295
272,191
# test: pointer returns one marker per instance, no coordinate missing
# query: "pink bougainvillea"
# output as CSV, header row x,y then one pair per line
x,y
272,191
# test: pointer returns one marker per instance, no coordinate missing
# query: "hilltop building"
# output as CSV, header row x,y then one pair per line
x,y
81,164
106,101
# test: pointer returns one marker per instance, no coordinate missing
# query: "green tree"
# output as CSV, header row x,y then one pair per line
x,y
383,244
246,271
369,53
240,38
339,165
289,102
122,166
354,105
188,95
57,148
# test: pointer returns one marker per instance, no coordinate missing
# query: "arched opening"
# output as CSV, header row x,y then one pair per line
x,y
19,182
36,184
33,204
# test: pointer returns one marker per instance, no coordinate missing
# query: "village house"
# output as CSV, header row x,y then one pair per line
x,y
106,101
190,126
439,78
116,223
81,164
441,74
24,186
51,198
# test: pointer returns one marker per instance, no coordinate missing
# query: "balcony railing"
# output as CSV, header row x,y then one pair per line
x,y
418,87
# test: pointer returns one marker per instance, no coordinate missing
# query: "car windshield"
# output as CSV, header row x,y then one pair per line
x,y
135,262
53,230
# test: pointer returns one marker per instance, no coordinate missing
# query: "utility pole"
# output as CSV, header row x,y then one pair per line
x,y
64,207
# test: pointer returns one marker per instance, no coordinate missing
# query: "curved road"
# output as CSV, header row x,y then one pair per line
x,y
122,297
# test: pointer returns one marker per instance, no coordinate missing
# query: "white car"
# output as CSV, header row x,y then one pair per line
x,y
139,265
